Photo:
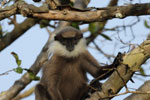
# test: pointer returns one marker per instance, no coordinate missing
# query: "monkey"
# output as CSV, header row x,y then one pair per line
x,y
65,74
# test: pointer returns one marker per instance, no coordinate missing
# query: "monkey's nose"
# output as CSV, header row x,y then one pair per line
x,y
70,46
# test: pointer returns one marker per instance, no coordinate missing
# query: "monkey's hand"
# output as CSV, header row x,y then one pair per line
x,y
118,60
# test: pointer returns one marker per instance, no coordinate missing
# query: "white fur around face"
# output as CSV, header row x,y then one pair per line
x,y
57,48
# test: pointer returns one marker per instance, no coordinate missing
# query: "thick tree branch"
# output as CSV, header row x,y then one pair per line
x,y
133,60
102,14
71,14
97,15
19,30
7,12
23,8
80,4
24,94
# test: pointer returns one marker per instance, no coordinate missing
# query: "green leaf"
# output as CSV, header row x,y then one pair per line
x,y
96,26
44,23
142,71
18,61
32,75
75,25
15,55
102,25
106,37
18,70
93,27
146,24
36,78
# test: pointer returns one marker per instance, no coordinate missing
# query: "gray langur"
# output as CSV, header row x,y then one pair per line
x,y
64,76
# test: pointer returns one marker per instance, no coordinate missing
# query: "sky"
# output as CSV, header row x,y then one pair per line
x,y
29,45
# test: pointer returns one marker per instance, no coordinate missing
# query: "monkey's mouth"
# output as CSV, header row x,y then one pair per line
x,y
70,48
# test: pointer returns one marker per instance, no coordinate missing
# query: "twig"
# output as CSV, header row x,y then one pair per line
x,y
7,72
135,92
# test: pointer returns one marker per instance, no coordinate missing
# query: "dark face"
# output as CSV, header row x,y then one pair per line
x,y
69,42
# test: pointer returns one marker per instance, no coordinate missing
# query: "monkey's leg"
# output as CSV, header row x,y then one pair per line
x,y
41,93
54,93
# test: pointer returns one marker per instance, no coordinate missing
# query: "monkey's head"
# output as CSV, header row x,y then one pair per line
x,y
68,42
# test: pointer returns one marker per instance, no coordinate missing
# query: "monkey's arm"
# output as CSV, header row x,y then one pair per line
x,y
92,66
41,93
47,89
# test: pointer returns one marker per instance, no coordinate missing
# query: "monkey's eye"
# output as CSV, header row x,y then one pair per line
x,y
55,38
58,38
75,40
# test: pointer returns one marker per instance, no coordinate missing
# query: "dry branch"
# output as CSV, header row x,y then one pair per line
x,y
25,79
144,88
71,14
102,24
19,30
97,15
133,60
24,94
100,15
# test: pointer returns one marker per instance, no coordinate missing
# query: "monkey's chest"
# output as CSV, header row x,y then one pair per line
x,y
72,81
72,75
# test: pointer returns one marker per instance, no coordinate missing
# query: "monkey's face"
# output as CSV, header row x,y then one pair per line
x,y
68,44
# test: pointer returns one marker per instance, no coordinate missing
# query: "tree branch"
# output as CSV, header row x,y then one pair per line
x,y
72,14
25,79
144,88
20,7
133,60
102,24
7,12
19,30
101,14
24,94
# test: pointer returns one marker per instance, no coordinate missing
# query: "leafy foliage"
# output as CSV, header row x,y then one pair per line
x,y
75,25
147,24
18,62
96,28
19,69
142,71
44,23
